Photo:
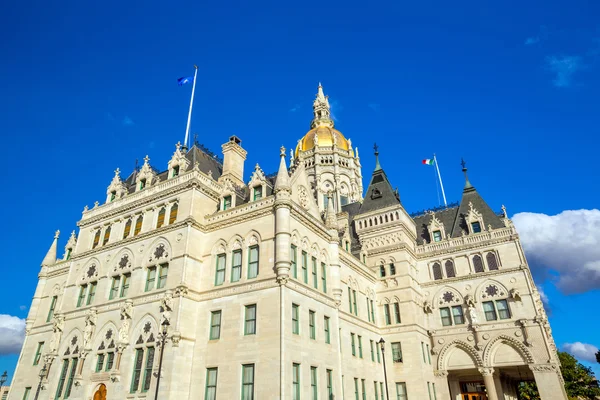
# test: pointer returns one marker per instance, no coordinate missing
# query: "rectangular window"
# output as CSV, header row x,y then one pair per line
x,y
503,310
314,391
356,389
324,277
127,229
423,351
354,302
215,325
353,344
372,352
91,294
372,312
150,279
437,236
401,391
329,384
100,363
295,319
142,184
162,275
311,324
250,320
226,202
476,227
137,370
376,390
381,387
397,352
138,225
220,274
350,299
38,353
106,236
296,381
211,384
110,359
446,318
305,266
378,354
148,369
257,193
25,395
314,272
489,310
294,260
61,380
236,266
176,171
52,307
368,310
248,382
433,390
71,377
386,309
397,312
364,390
114,287
253,262
457,314
81,298
360,353
125,285
429,390
428,354
326,328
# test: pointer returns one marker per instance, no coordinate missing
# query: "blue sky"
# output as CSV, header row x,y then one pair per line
x,y
510,86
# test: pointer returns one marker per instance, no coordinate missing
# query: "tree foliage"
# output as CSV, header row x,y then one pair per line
x,y
580,382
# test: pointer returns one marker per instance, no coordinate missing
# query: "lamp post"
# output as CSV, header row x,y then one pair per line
x,y
3,380
382,346
163,339
42,376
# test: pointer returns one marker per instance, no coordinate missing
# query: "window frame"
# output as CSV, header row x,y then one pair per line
x,y
236,267
312,325
397,352
151,272
218,257
294,260
295,319
250,385
250,322
326,329
253,266
209,385
213,325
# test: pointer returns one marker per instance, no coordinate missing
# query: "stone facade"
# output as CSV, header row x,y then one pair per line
x,y
288,285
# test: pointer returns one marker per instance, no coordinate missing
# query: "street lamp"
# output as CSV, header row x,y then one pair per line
x,y
382,346
42,376
163,339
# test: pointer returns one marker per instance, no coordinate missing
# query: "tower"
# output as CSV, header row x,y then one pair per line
x,y
332,166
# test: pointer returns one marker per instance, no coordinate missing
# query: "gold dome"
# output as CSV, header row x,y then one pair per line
x,y
324,138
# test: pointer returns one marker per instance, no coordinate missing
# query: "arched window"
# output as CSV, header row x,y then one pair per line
x,y
437,271
382,271
96,239
106,236
173,213
127,230
392,269
106,353
161,218
386,218
478,263
492,262
370,222
68,369
380,219
138,225
143,363
360,225
450,273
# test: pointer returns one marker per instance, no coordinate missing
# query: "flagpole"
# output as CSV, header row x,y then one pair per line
x,y
440,176
187,130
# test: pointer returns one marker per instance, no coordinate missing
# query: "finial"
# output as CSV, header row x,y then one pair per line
x,y
117,172
146,159
282,151
504,211
56,234
464,170
377,165
178,145
320,84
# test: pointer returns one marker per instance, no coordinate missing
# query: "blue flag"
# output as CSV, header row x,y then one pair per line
x,y
183,81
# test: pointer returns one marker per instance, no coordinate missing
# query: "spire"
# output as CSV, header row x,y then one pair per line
x,y
464,170
283,179
330,218
50,258
321,110
377,165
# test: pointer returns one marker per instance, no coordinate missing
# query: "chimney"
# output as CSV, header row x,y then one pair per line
x,y
233,161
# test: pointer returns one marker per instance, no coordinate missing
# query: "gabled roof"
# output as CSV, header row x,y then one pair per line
x,y
379,193
352,209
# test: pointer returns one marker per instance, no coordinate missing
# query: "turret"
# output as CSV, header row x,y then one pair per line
x,y
233,161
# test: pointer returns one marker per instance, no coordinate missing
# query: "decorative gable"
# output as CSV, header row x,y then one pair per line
x,y
178,163
258,184
116,189
474,220
437,233
146,177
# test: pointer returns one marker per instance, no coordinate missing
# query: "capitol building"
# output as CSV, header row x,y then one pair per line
x,y
307,284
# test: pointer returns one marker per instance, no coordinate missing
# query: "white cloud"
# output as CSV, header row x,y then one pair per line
x,y
564,67
566,245
128,121
581,351
532,40
12,333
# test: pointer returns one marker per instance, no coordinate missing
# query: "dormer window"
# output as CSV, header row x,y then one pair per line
x,y
175,171
343,200
142,184
113,195
69,251
382,271
226,203
437,236
392,269
475,227
257,193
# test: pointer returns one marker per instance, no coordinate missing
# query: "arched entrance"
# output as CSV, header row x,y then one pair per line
x,y
100,393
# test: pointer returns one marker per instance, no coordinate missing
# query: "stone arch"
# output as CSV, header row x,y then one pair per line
x,y
295,238
72,342
395,299
123,261
252,238
140,329
236,242
90,271
100,334
504,339
467,348
324,256
219,247
480,290
99,392
438,301
56,290
158,250
314,250
305,244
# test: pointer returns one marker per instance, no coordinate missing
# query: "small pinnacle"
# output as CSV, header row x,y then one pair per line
x,y
282,151
57,234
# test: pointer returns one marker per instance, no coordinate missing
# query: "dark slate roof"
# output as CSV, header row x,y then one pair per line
x,y
447,218
353,209
379,193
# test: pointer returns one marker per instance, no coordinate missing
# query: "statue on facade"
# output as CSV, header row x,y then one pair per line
x,y
58,324
91,318
473,315
126,313
166,308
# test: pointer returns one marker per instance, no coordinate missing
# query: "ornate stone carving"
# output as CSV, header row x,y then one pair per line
x,y
473,315
427,307
303,196
543,367
58,324
440,374
469,301
176,338
126,314
90,325
166,308
515,295
181,291
486,371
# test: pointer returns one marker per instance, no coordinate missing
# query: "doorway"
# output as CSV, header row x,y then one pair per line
x,y
100,393
473,391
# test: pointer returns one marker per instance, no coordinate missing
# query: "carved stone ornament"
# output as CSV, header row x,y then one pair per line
x,y
91,271
126,314
58,324
166,308
181,291
448,297
91,318
440,374
303,196
159,252
469,301
515,295
176,338
543,367
486,371
492,291
427,307
124,262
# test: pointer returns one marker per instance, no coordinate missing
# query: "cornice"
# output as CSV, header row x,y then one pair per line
x,y
469,277
467,242
234,216
354,265
314,224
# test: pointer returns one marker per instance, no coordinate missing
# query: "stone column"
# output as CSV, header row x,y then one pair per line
x,y
488,380
549,381
455,393
499,387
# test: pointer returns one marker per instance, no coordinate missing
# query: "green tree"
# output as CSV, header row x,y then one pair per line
x,y
580,382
